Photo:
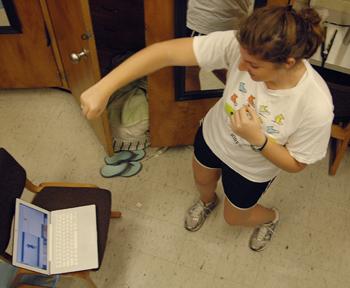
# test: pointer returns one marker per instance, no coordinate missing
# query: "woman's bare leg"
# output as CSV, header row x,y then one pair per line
x,y
254,216
206,180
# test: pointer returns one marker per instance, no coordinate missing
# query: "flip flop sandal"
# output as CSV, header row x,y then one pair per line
x,y
109,171
124,156
119,157
126,169
138,155
133,169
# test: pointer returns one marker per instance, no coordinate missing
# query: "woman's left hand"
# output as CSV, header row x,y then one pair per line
x,y
246,124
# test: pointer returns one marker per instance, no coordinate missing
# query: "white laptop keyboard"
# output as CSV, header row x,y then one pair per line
x,y
66,240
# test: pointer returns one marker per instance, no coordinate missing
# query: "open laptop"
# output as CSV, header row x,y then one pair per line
x,y
55,242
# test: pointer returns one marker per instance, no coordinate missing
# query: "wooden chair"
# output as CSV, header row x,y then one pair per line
x,y
341,135
339,86
50,196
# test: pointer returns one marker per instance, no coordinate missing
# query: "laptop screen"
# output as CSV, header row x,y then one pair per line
x,y
32,237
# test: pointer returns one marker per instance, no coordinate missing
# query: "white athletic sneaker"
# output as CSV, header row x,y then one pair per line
x,y
263,234
197,214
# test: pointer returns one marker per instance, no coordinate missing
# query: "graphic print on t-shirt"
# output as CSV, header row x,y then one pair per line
x,y
251,100
234,98
235,102
279,119
271,130
242,87
269,122
264,110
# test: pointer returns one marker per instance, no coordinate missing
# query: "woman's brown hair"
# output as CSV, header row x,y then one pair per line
x,y
276,33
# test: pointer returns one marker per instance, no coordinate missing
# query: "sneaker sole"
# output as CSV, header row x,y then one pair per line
x,y
257,250
195,228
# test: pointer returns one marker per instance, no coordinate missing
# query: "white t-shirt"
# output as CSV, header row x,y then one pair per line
x,y
299,118
206,16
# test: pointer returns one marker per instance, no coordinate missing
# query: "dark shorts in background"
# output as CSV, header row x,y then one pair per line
x,y
192,33
241,192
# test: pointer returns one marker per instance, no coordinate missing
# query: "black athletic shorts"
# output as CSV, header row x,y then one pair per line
x,y
241,192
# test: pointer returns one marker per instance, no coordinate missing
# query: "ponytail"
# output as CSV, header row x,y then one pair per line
x,y
277,33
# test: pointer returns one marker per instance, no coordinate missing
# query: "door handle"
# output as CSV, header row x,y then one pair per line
x,y
76,57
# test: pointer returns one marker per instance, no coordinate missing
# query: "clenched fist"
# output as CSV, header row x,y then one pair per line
x,y
93,101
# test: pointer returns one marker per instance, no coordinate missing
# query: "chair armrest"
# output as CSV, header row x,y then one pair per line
x,y
339,132
36,189
32,187
66,184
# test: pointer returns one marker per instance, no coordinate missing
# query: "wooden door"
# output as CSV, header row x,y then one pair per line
x,y
72,27
27,58
171,122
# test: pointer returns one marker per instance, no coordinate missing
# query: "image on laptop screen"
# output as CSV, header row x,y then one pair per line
x,y
32,237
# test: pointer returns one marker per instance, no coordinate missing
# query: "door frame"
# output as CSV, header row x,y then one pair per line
x,y
172,122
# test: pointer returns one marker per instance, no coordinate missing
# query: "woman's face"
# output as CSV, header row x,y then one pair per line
x,y
258,69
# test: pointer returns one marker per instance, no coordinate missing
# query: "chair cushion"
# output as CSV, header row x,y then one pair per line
x,y
12,182
55,198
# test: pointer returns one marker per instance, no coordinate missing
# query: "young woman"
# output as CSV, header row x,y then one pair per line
x,y
275,113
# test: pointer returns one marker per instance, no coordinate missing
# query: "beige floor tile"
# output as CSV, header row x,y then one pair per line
x,y
315,277
276,276
215,225
238,263
201,251
185,277
222,283
148,246
161,201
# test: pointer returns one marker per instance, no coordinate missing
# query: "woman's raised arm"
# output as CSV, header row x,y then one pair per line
x,y
177,52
